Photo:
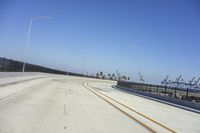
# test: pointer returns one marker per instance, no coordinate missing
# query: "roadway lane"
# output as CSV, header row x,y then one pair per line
x,y
58,104
177,119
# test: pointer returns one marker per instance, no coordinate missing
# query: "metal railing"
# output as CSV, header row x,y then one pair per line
x,y
173,92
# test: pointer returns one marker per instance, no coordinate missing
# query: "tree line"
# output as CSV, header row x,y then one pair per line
x,y
112,76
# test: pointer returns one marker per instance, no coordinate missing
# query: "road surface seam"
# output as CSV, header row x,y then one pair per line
x,y
17,82
12,94
131,117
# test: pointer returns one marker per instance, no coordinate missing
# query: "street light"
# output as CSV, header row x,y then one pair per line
x,y
28,38
83,65
141,59
118,75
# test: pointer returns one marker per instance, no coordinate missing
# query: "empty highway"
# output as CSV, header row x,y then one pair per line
x,y
49,103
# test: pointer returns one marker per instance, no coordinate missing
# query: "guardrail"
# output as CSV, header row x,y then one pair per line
x,y
172,92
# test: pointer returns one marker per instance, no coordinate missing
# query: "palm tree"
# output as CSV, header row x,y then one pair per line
x,y
101,74
124,77
97,75
113,77
109,76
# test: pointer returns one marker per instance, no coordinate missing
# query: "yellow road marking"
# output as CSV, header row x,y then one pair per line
x,y
138,113
133,118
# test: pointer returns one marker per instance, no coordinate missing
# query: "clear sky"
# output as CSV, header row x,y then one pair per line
x,y
102,31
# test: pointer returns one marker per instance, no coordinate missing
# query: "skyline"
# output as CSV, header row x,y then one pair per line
x,y
168,31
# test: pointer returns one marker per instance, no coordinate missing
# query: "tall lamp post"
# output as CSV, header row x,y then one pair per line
x,y
83,65
141,59
28,38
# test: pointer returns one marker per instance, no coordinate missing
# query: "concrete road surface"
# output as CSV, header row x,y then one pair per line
x,y
47,103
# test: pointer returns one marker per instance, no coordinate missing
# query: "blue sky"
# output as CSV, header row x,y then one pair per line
x,y
102,31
